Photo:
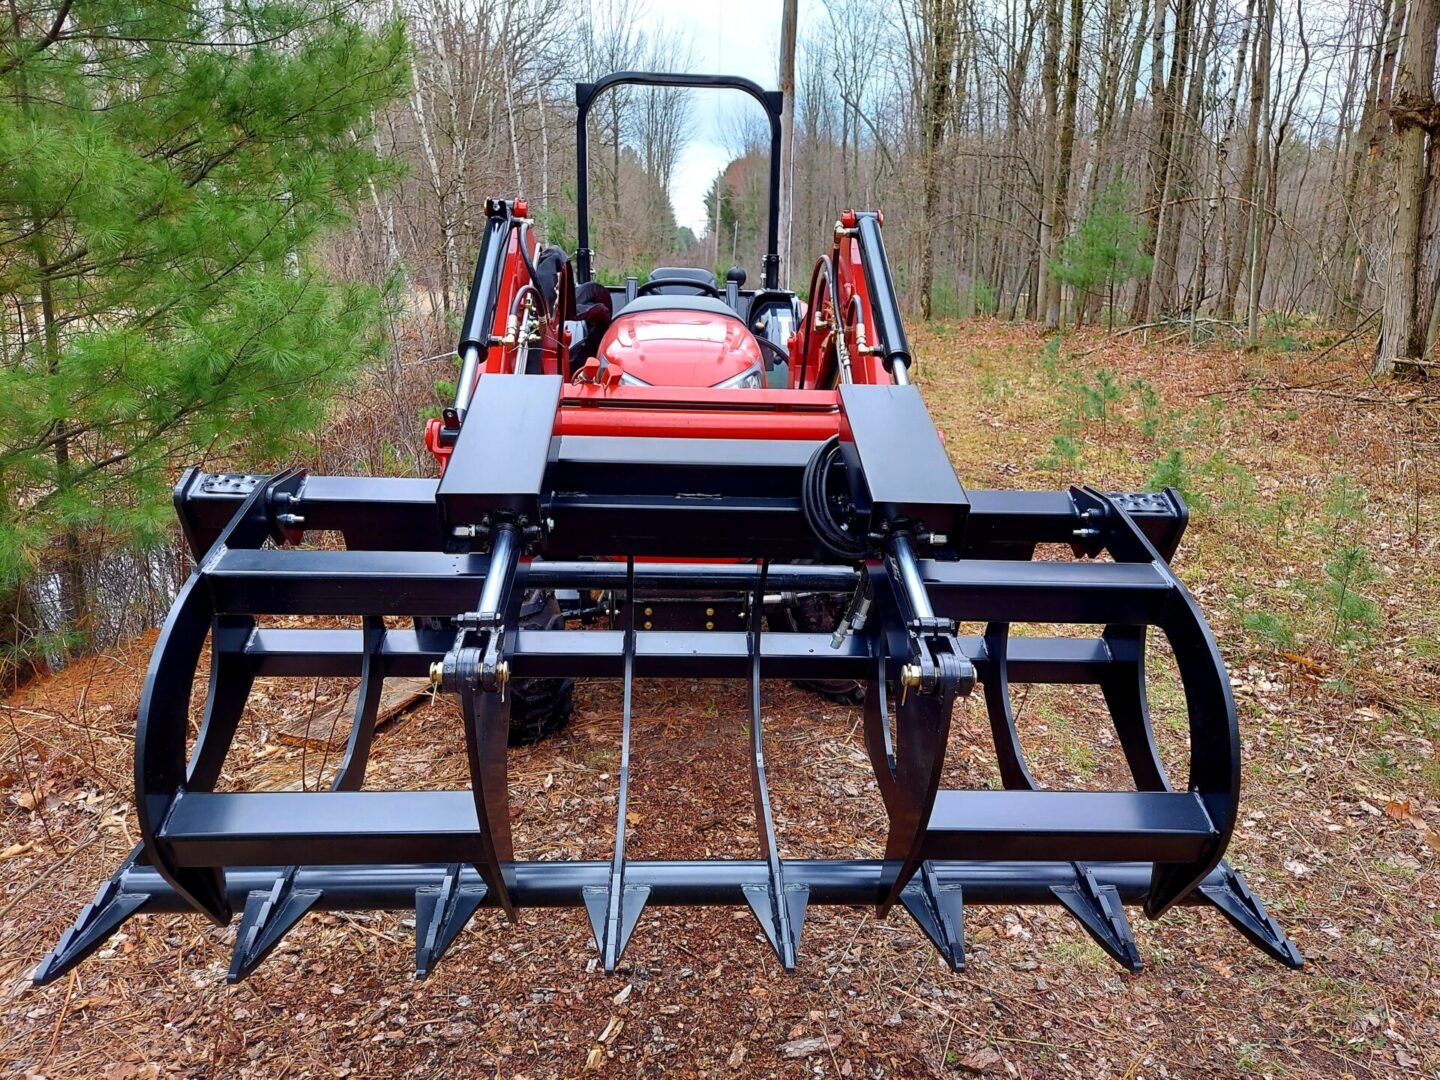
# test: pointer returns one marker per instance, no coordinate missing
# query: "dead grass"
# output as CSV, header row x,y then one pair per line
x,y
1338,835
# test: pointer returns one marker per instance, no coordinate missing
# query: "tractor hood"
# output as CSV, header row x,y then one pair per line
x,y
678,347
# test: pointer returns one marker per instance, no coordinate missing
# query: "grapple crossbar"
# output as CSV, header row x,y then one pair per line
x,y
444,854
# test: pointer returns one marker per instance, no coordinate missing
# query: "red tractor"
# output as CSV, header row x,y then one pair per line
x,y
678,479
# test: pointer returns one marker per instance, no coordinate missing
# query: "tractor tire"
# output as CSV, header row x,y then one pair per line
x,y
817,614
539,707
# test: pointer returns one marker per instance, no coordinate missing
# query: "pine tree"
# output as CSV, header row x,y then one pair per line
x,y
1107,249
166,171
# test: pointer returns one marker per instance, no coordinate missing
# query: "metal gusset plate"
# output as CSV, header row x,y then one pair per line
x,y
1098,909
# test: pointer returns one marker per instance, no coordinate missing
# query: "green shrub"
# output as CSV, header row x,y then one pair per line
x,y
1064,453
1275,628
1173,470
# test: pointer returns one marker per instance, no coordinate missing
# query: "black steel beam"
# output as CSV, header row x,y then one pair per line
x,y
986,590
832,882
250,828
1164,826
289,582
394,513
660,654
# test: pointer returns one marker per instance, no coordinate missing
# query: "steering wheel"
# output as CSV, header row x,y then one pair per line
x,y
702,288
776,353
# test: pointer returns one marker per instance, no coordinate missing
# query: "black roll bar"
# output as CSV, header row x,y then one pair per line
x,y
770,100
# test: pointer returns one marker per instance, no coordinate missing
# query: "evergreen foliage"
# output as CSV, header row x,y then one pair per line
x,y
1106,250
166,172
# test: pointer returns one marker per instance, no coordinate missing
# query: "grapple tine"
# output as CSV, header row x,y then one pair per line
x,y
350,772
440,914
487,733
97,921
486,710
939,910
1247,914
615,910
161,772
922,724
268,917
780,909
1098,909
1009,754
230,682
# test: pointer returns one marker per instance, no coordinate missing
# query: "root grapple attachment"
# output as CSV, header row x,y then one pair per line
x,y
625,508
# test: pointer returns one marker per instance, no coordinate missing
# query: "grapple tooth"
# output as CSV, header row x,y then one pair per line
x,y
782,933
268,917
1100,912
597,907
440,915
96,922
1247,914
939,910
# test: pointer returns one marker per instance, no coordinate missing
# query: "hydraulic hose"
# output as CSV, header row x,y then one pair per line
x,y
815,502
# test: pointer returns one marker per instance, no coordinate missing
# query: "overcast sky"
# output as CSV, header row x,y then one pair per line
x,y
727,37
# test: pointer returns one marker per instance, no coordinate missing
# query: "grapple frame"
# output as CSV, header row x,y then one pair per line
x,y
276,855
587,487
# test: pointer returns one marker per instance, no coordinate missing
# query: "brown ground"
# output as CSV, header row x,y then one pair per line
x,y
1339,830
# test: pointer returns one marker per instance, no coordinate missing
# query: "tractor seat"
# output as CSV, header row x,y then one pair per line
x,y
691,273
707,304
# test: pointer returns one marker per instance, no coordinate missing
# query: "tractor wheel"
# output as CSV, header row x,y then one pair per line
x,y
819,614
539,707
